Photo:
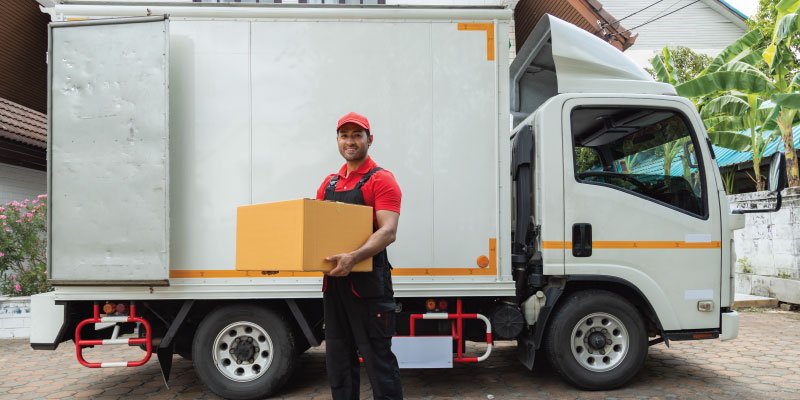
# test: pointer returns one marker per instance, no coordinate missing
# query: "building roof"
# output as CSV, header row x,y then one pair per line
x,y
22,125
726,157
586,14
733,9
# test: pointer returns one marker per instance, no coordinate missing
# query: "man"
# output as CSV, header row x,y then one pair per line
x,y
359,306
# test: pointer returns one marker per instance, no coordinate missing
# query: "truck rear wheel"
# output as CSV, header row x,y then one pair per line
x,y
244,351
596,340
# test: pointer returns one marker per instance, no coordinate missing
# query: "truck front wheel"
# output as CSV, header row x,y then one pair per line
x,y
596,340
243,351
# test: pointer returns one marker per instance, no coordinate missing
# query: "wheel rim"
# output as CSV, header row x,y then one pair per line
x,y
243,351
599,342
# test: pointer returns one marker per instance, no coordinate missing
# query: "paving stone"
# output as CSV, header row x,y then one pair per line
x,y
760,364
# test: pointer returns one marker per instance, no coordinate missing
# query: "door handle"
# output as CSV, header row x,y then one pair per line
x,y
581,240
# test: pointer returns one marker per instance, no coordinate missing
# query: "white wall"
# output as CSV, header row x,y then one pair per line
x,y
699,27
18,184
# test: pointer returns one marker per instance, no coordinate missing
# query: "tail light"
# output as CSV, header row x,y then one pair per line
x,y
109,308
430,304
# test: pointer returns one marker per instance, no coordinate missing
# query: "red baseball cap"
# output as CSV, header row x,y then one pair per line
x,y
355,118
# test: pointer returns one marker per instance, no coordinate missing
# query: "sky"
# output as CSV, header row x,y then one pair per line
x,y
748,7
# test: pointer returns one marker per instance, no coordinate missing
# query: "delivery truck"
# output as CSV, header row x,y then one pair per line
x,y
565,201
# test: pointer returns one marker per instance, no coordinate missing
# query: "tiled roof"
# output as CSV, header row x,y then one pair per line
x,y
22,124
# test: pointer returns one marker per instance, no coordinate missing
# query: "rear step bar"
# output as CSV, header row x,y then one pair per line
x,y
457,327
147,340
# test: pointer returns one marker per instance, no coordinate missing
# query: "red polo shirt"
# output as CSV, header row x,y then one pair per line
x,y
381,191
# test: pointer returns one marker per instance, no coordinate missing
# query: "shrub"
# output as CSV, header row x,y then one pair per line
x,y
23,247
745,264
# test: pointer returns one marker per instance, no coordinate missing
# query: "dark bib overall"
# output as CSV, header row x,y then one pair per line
x,y
360,315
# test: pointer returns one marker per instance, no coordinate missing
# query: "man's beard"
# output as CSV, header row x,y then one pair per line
x,y
359,155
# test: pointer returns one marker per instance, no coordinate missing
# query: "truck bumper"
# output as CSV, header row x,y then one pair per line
x,y
730,325
48,321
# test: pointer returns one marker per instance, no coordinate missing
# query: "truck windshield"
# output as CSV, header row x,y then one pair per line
x,y
648,152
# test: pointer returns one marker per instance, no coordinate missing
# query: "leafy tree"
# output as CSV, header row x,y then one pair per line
x,y
686,63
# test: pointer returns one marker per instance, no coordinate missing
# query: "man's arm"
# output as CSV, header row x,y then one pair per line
x,y
384,236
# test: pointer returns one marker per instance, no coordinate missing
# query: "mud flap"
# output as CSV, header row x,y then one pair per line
x,y
165,361
526,350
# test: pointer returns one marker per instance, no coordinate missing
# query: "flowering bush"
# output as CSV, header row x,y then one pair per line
x,y
23,247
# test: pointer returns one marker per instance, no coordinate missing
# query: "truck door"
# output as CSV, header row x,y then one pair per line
x,y
108,152
641,204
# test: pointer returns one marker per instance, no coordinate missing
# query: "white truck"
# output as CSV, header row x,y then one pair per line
x,y
596,227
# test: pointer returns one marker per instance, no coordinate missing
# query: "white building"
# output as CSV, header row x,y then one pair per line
x,y
705,26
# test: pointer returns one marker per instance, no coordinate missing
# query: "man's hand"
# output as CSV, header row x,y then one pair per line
x,y
384,236
344,264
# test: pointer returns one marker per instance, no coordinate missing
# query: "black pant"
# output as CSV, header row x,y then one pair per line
x,y
366,325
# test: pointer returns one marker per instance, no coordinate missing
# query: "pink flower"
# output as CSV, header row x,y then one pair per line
x,y
4,224
8,230
1,254
25,202
2,217
19,221
18,287
35,201
13,277
2,209
42,196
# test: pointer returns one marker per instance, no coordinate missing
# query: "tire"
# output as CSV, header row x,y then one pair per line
x,y
244,351
596,340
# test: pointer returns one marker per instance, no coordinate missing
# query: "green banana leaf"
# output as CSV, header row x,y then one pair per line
x,y
670,66
754,57
795,84
784,8
730,140
770,120
727,104
789,100
734,50
784,30
725,123
660,69
746,82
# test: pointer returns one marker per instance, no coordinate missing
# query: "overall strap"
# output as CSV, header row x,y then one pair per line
x,y
331,188
366,177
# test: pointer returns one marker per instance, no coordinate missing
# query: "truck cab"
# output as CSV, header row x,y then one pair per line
x,y
628,224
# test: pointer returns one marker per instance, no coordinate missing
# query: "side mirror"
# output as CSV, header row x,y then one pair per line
x,y
777,173
776,181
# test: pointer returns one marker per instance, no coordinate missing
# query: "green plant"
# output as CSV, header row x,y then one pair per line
x,y
23,248
784,275
729,180
744,263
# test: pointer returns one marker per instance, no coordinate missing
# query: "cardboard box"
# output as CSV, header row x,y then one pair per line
x,y
297,235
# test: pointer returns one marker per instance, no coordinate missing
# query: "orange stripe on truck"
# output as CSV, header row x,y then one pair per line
x,y
624,244
489,28
230,273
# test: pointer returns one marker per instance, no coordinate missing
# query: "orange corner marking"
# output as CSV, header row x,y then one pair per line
x,y
489,28
493,255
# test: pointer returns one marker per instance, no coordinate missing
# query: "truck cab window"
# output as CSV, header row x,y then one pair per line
x,y
646,152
